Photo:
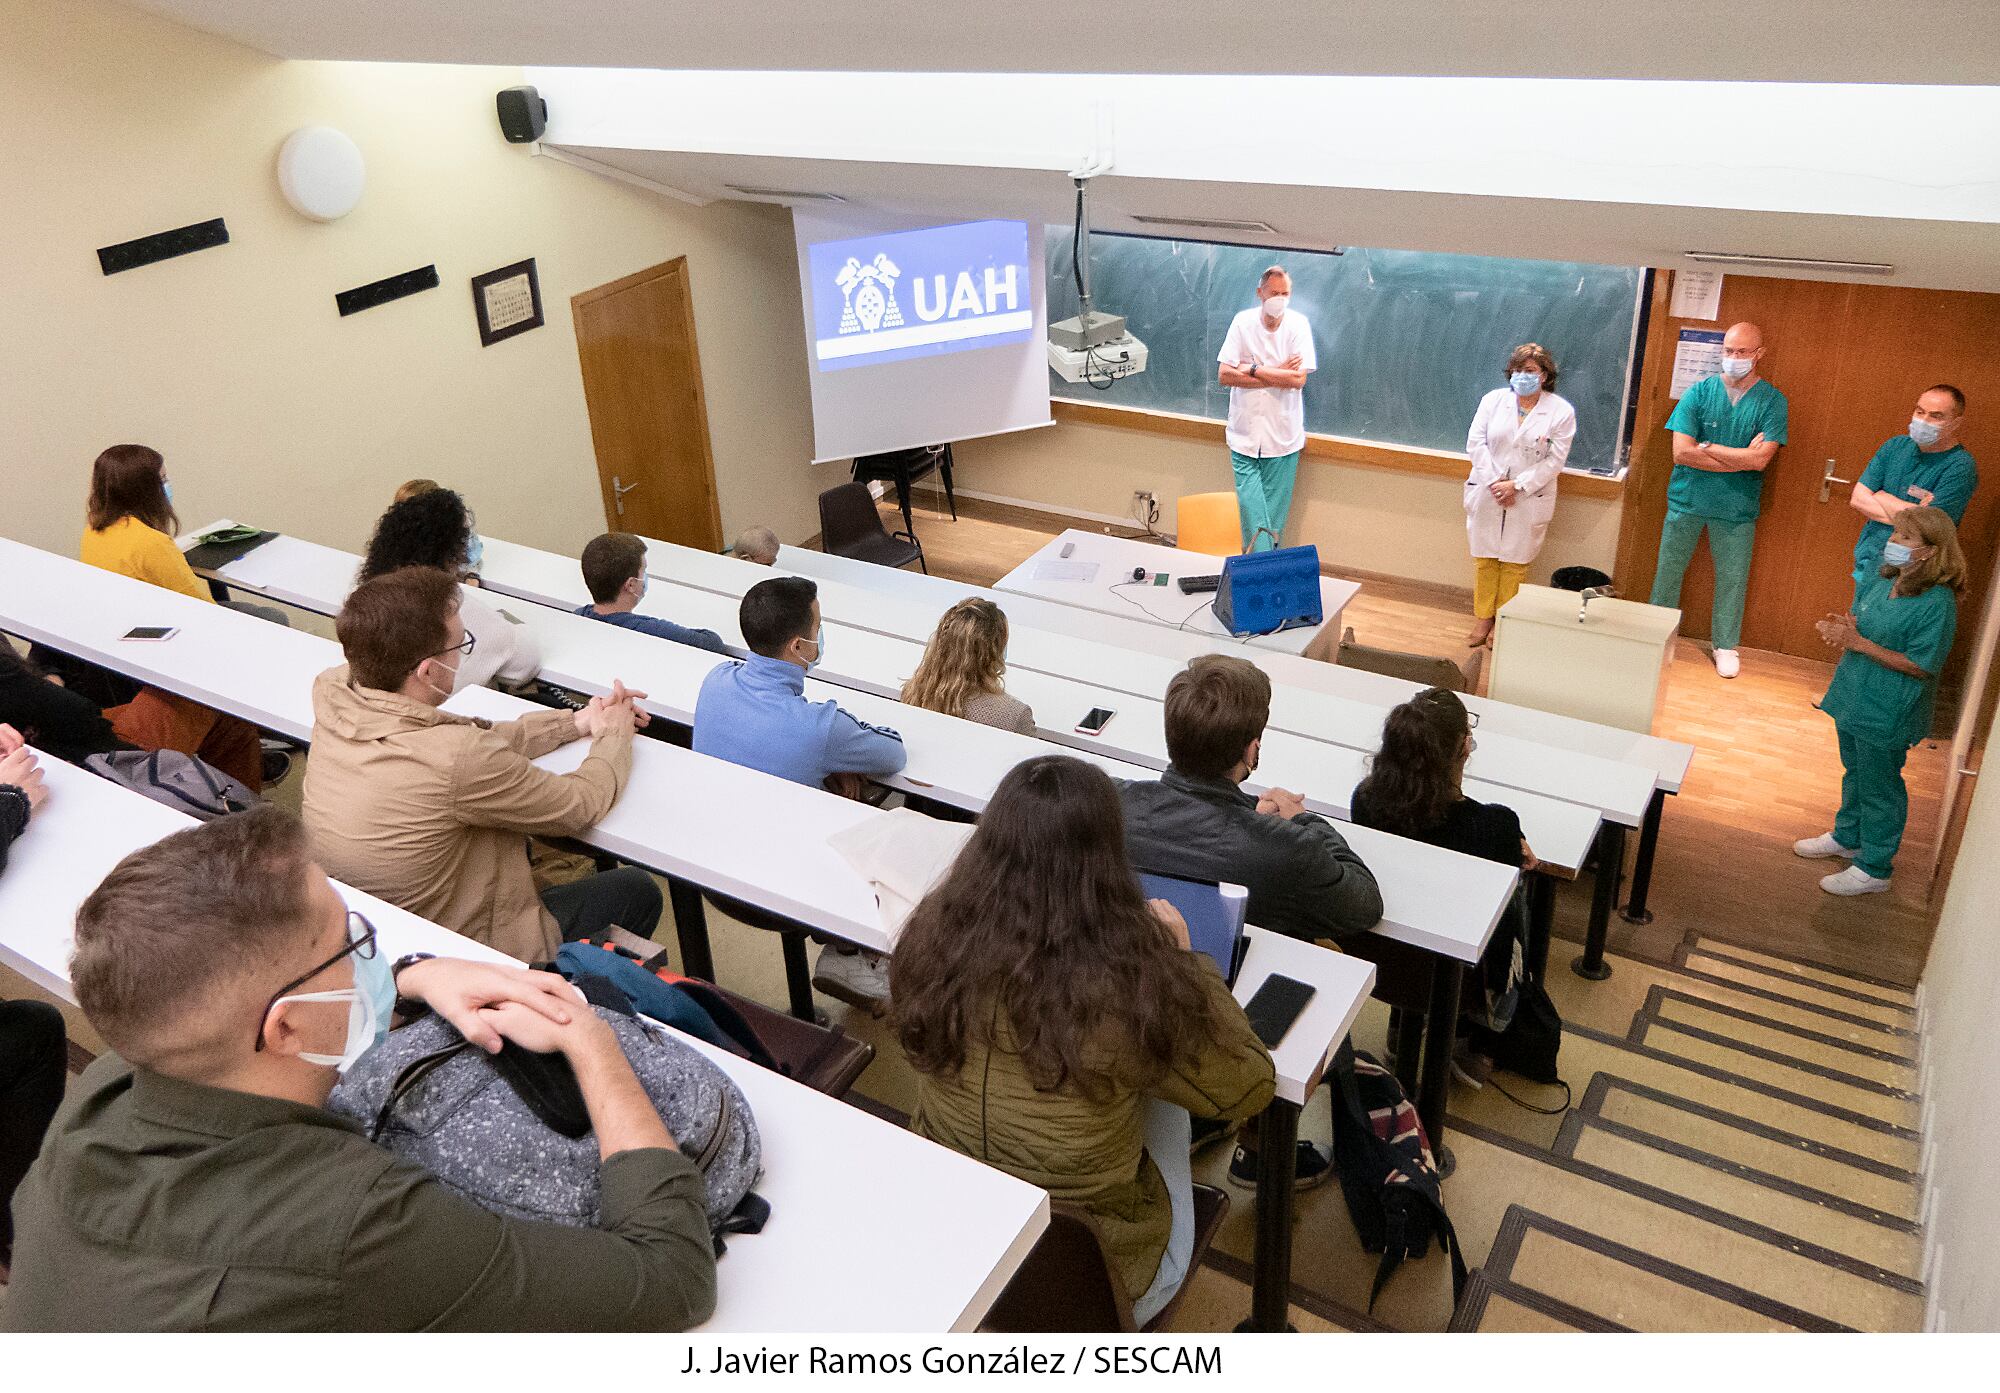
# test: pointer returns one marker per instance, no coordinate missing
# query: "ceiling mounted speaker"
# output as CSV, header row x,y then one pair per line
x,y
321,173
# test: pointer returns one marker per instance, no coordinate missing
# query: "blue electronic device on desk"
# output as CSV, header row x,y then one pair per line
x,y
1266,592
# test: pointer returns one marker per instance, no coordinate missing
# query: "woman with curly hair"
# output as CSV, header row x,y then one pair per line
x,y
961,670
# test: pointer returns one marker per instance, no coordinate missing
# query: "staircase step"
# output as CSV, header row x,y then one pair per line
x,y
1627,1287
1878,1245
1804,969
1849,1095
1888,1068
1749,1142
1495,1306
1611,1003
1756,978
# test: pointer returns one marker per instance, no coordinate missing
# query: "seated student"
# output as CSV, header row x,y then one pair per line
x,y
755,713
1413,789
198,1182
412,487
57,721
962,668
34,1051
614,568
758,545
132,527
432,811
1047,1073
434,528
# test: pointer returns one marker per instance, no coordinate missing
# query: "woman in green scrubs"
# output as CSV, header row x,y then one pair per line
x,y
1893,644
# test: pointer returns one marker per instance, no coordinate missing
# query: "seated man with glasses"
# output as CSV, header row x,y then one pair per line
x,y
432,811
196,1180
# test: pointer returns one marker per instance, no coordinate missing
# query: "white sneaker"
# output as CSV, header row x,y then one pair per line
x,y
855,976
1823,847
1726,662
1853,881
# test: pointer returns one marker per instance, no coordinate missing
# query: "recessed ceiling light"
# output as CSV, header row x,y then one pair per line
x,y
1790,263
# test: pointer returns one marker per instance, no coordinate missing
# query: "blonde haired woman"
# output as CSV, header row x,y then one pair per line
x,y
1893,646
1519,440
962,669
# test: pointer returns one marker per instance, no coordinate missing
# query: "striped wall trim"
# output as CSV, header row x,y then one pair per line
x,y
1520,1220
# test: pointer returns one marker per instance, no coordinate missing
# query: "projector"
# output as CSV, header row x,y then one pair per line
x,y
1095,348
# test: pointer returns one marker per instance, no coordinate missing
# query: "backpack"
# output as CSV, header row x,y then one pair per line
x,y
180,781
1387,1176
653,989
506,1132
1529,1044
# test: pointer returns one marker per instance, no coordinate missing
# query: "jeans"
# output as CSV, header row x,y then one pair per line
x,y
1874,804
34,1064
1264,497
1168,1128
1730,545
627,897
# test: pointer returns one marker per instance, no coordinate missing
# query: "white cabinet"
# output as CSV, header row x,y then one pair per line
x,y
1604,662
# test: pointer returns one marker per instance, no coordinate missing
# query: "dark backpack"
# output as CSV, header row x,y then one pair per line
x,y
1531,1041
655,990
1390,1182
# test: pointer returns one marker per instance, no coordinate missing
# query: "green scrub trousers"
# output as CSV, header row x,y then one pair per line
x,y
1730,544
1873,802
1264,497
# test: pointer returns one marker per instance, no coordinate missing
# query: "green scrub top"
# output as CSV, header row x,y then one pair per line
x,y
1868,700
1899,466
1706,414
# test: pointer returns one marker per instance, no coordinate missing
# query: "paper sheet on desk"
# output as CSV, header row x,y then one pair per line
x,y
901,855
1085,571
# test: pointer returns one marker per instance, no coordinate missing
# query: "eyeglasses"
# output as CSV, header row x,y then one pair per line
x,y
464,647
1472,720
360,942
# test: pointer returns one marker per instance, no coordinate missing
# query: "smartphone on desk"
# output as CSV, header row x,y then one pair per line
x,y
148,633
1275,1005
1094,723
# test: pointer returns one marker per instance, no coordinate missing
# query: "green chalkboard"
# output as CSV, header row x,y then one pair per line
x,y
1408,342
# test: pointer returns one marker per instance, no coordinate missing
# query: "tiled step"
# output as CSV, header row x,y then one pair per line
x,y
1627,1287
1889,1068
1494,1306
1854,984
1835,1232
1805,993
1849,1096
1749,1142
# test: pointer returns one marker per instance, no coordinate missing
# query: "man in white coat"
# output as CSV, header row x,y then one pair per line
x,y
1265,359
1520,438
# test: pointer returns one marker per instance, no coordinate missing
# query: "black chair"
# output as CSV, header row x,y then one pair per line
x,y
903,468
1066,1283
850,526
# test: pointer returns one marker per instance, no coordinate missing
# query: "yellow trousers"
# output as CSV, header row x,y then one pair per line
x,y
1494,583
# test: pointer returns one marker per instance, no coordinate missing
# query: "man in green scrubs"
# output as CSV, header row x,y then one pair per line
x,y
1727,429
1925,466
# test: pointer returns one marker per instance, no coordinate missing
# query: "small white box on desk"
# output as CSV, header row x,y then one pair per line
x,y
1604,660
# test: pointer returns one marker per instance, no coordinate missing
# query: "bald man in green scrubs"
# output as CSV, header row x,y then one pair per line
x,y
1727,430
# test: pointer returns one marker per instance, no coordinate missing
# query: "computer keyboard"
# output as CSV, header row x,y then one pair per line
x,y
1198,585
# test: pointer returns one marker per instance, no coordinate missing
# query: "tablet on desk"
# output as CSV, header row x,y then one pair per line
x,y
1215,913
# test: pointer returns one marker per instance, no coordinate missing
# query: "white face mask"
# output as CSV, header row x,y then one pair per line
x,y
446,692
1736,368
1275,307
371,1002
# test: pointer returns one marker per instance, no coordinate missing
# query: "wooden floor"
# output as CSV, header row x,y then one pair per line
x,y
1766,772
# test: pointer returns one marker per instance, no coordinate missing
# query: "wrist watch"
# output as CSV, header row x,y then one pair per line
x,y
409,1007
1253,367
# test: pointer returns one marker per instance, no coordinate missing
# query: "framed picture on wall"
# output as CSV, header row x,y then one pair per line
x,y
508,301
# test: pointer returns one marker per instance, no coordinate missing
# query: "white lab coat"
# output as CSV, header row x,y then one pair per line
x,y
1530,451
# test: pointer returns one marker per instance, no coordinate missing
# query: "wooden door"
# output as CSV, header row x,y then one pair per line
x,y
648,417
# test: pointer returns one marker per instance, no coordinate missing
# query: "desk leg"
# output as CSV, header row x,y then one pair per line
x,y
1271,1261
1440,1033
1541,923
1409,1047
798,977
1635,910
944,468
691,927
1610,866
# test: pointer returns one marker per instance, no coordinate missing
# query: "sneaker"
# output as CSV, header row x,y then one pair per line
x,y
1207,1131
1727,664
1822,848
854,976
1313,1168
1853,881
277,764
1472,1070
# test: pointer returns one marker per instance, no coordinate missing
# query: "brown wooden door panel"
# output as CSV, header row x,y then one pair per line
x,y
648,417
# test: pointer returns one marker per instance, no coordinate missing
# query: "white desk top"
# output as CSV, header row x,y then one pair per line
x,y
1115,558
1627,619
924,1238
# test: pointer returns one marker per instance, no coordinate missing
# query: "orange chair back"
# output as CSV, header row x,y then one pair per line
x,y
1207,522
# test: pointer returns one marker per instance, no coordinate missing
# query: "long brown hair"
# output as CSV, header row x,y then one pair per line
x,y
129,481
965,657
1040,921
1414,779
1946,563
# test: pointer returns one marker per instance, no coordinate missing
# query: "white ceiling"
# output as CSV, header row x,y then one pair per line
x,y
1916,41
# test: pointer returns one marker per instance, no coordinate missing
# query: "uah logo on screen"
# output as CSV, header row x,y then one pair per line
x,y
908,294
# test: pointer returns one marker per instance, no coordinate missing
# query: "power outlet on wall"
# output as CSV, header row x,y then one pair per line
x,y
1145,507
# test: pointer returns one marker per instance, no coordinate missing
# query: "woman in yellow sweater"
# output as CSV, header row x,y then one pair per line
x,y
131,531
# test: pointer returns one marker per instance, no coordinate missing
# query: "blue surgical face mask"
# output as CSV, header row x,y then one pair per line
x,y
1924,432
1896,554
167,487
1525,384
1734,368
819,646
475,552
371,1005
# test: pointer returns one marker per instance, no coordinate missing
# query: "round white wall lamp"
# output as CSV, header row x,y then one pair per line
x,y
321,172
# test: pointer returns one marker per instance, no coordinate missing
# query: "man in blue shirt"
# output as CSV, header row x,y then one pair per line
x,y
1923,466
614,568
755,713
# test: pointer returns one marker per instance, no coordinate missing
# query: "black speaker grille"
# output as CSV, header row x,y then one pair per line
x,y
144,251
367,297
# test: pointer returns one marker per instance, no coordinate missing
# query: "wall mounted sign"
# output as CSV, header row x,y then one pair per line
x,y
508,301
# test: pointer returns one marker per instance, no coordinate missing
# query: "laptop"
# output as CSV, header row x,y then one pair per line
x,y
1215,912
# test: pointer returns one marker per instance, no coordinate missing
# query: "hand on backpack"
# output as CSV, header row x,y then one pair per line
x,y
467,993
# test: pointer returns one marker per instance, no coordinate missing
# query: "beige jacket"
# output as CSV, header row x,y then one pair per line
x,y
430,810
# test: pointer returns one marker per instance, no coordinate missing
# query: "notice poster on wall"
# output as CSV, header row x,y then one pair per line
x,y
1697,295
1698,354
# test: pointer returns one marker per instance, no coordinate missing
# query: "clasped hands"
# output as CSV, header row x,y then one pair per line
x,y
1838,631
617,708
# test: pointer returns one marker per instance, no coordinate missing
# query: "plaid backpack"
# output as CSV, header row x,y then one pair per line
x,y
1387,1175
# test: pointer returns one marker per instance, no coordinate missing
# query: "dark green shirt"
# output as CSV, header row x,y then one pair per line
x,y
163,1205
1949,476
1707,414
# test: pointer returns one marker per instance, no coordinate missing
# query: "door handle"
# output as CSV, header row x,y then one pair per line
x,y
1827,481
619,490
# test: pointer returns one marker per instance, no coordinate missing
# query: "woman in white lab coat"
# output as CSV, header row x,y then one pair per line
x,y
1519,439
